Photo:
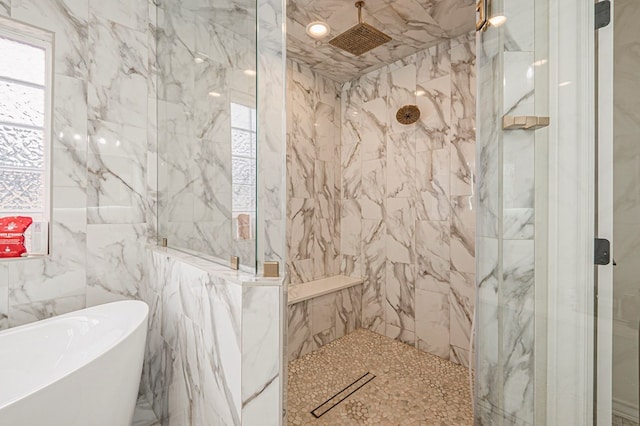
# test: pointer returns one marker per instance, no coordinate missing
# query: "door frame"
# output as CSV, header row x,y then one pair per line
x,y
604,222
571,214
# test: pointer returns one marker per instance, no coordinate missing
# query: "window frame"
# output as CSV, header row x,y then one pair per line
x,y
45,40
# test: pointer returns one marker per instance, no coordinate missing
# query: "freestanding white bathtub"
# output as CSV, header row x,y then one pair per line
x,y
78,369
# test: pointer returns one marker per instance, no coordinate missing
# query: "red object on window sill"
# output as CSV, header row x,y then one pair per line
x,y
12,230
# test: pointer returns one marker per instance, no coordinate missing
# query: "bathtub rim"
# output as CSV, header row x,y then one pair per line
x,y
141,322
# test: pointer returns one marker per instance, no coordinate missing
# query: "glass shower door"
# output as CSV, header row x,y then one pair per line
x,y
619,215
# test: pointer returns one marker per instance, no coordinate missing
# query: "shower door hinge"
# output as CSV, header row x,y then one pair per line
x,y
603,14
602,252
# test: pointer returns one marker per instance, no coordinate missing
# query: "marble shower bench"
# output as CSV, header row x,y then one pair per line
x,y
322,311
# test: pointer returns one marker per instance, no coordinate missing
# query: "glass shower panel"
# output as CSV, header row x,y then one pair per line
x,y
512,84
206,111
626,211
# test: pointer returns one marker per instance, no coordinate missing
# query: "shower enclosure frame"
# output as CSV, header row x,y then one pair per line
x,y
571,214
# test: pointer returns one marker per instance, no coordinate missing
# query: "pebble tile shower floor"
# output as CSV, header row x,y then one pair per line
x,y
411,387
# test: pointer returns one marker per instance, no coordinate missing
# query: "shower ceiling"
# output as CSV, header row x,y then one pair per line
x,y
413,24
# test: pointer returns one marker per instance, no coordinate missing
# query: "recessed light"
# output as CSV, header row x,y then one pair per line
x,y
497,20
318,29
214,94
250,72
199,57
420,93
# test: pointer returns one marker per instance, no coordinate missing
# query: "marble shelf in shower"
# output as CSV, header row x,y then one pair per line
x,y
305,291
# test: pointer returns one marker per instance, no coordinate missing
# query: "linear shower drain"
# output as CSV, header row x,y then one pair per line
x,y
336,399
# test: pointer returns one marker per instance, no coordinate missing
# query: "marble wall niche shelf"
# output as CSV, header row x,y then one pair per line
x,y
301,292
524,122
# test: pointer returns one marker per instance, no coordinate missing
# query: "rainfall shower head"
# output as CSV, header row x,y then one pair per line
x,y
360,38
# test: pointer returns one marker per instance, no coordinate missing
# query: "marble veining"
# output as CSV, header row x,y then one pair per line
x,y
313,175
506,218
198,56
102,203
213,347
414,25
408,197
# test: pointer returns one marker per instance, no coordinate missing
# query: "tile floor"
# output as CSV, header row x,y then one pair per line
x,y
411,387
144,415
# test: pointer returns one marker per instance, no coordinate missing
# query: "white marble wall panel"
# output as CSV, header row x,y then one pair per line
x,y
201,64
101,211
114,270
433,185
300,341
118,72
374,259
272,145
434,256
489,106
408,197
434,100
69,20
315,322
506,214
36,311
213,351
518,329
313,175
432,322
400,300
261,355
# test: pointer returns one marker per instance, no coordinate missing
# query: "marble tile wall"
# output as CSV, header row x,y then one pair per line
x,y
315,322
203,47
506,212
313,175
103,156
408,196
213,349
272,150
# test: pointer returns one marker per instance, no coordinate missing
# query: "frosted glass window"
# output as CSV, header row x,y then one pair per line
x,y
243,163
27,64
242,143
20,147
21,191
25,111
244,199
21,104
240,116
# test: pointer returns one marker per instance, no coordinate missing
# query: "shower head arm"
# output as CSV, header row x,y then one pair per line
x,y
360,5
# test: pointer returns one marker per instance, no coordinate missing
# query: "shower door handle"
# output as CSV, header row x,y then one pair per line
x,y
602,252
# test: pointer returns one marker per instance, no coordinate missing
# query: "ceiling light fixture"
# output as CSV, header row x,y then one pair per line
x,y
214,94
199,57
484,16
318,29
497,20
250,73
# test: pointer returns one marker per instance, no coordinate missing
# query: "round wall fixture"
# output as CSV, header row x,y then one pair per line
x,y
408,114
318,29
